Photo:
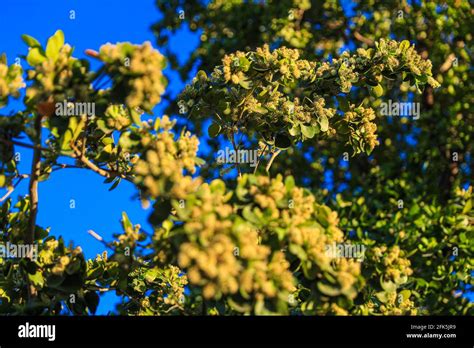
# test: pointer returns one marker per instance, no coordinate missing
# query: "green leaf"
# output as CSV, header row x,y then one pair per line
x,y
260,110
297,250
54,45
2,180
250,216
199,161
78,129
136,116
92,301
382,296
406,294
388,285
282,141
35,57
343,104
324,123
289,183
245,83
294,130
151,275
30,41
214,130
377,91
115,184
308,131
36,279
372,82
127,225
467,207
328,289
404,45
244,63
3,294
68,134
161,212
73,267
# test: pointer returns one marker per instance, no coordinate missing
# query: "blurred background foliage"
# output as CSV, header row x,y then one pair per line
x,y
406,191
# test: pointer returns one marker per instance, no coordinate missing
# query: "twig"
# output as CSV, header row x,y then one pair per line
x,y
33,187
236,153
65,165
33,193
78,155
362,38
270,162
29,146
259,158
447,63
12,188
100,239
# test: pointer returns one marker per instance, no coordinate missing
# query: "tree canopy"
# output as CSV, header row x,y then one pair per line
x,y
302,83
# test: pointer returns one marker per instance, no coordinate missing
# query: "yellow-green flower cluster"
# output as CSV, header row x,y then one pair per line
x,y
278,96
117,117
225,257
362,130
389,303
168,291
55,261
214,266
291,29
11,81
304,227
395,55
268,278
138,69
58,71
160,170
397,267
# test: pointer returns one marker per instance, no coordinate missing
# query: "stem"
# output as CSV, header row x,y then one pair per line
x,y
33,192
12,188
358,36
33,187
270,162
89,164
103,172
260,158
28,146
236,154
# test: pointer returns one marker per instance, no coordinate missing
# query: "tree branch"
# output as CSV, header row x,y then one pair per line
x,y
28,146
81,157
236,153
447,63
358,36
270,162
33,187
33,192
103,172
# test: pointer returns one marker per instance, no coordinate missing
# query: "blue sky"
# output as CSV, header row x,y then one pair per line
x,y
95,23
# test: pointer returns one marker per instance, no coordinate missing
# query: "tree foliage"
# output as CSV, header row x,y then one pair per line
x,y
256,242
